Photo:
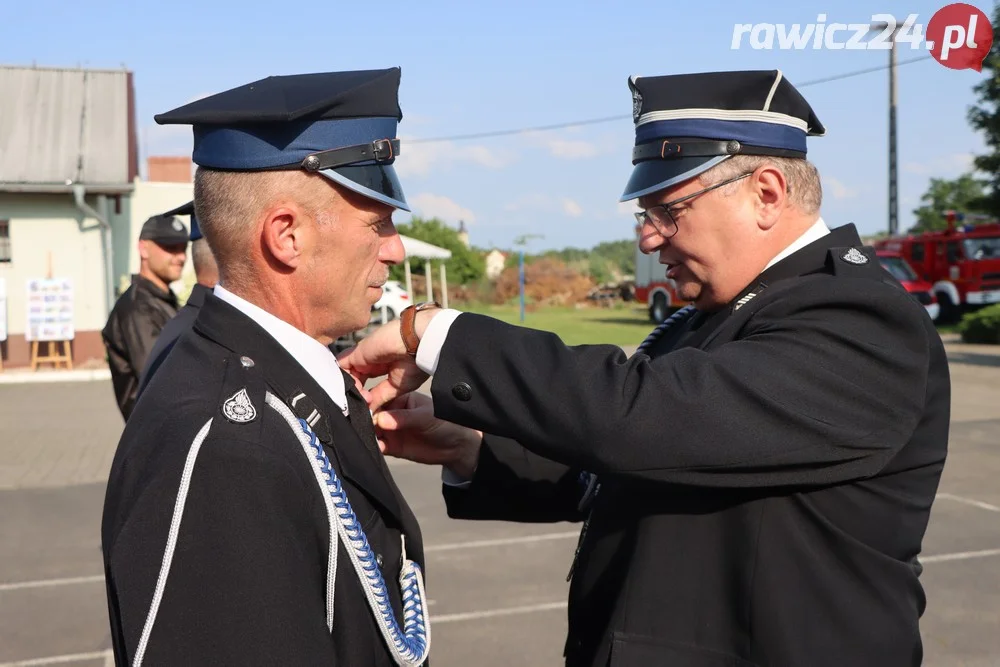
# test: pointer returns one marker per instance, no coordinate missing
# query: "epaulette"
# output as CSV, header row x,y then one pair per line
x,y
242,397
858,262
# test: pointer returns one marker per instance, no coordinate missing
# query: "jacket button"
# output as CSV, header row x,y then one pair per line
x,y
378,559
462,391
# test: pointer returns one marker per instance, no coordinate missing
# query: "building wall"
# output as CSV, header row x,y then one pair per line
x,y
48,233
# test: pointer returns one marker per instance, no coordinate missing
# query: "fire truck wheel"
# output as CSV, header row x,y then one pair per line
x,y
658,311
950,312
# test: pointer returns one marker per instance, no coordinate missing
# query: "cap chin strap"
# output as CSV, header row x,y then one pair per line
x,y
681,148
383,151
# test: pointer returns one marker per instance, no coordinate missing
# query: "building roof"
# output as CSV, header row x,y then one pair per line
x,y
423,250
66,125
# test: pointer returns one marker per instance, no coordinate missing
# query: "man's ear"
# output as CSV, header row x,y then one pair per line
x,y
771,190
283,234
144,249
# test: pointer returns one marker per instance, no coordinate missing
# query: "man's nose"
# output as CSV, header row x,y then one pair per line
x,y
392,251
650,240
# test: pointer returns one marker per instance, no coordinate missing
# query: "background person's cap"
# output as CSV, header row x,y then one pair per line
x,y
164,230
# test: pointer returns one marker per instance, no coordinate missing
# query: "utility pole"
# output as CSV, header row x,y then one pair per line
x,y
523,241
893,181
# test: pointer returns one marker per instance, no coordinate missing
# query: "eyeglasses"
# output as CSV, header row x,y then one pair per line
x,y
662,218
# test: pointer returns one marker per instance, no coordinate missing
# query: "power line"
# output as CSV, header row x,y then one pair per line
x,y
608,119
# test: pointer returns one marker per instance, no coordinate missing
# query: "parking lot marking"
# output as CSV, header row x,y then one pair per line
x,y
46,583
492,613
63,659
504,541
962,555
969,501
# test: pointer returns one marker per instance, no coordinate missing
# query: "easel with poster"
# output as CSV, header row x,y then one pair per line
x,y
50,320
3,318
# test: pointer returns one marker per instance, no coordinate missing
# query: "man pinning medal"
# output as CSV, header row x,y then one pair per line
x,y
757,480
250,518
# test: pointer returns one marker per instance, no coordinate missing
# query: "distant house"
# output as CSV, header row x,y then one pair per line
x,y
71,203
495,261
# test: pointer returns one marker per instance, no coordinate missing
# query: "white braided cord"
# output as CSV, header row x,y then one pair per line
x,y
411,645
168,552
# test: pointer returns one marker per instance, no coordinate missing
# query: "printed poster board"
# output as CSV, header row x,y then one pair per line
x,y
50,309
3,309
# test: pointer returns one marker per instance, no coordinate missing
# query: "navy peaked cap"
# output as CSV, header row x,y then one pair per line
x,y
686,124
188,209
341,125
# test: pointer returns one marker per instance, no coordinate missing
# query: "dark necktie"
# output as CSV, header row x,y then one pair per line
x,y
360,416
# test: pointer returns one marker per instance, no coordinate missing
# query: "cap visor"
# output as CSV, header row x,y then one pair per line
x,y
655,175
376,181
183,209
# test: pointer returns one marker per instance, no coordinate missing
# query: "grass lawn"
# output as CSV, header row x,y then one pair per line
x,y
623,325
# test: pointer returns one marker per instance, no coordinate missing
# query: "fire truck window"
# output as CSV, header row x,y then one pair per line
x,y
953,253
917,252
984,248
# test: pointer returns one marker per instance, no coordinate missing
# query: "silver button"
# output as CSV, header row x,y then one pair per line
x,y
247,362
378,559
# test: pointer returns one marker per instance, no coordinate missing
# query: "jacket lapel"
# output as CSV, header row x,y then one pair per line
x,y
227,326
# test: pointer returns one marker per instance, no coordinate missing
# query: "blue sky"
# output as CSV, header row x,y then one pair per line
x,y
475,67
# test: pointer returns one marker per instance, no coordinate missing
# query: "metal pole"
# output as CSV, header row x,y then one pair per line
x,y
444,285
893,198
430,283
521,280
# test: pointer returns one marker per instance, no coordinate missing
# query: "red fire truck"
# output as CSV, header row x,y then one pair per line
x,y
962,262
653,288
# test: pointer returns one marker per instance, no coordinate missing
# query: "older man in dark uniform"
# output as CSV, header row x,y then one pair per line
x,y
756,481
250,518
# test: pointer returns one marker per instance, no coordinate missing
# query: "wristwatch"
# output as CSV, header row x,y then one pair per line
x,y
406,325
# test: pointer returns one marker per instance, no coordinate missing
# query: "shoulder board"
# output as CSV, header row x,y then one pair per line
x,y
242,397
854,261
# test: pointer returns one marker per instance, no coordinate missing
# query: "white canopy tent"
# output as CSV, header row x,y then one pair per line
x,y
417,249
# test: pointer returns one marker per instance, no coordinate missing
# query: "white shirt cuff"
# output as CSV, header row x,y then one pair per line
x,y
429,349
449,478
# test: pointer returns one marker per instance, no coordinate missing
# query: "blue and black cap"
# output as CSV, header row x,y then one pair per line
x,y
686,124
338,124
188,209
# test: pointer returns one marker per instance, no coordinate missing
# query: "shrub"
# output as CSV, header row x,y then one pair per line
x,y
982,326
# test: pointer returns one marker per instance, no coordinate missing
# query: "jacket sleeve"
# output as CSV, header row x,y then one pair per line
x,y
140,334
246,585
514,484
819,386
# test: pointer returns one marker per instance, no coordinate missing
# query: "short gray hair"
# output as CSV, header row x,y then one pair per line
x,y
805,191
227,202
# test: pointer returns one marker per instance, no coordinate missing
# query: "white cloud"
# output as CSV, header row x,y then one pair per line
x,y
567,149
571,208
839,190
429,205
541,203
942,167
419,159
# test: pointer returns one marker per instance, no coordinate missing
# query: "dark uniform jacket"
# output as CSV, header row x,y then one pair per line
x,y
135,322
767,472
247,583
178,324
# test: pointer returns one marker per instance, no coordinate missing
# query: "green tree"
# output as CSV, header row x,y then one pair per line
x,y
465,266
964,195
986,117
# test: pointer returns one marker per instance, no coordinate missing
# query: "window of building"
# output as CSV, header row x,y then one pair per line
x,y
5,241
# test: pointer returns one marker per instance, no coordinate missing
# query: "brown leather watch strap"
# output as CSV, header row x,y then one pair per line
x,y
407,330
